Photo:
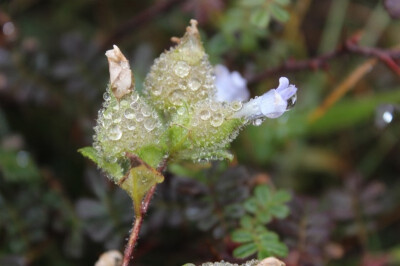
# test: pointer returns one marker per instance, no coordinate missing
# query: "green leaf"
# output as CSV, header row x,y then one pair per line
x,y
250,205
246,222
262,194
114,170
279,13
282,2
18,166
241,236
139,180
281,197
252,3
264,217
245,250
271,246
260,18
91,153
280,211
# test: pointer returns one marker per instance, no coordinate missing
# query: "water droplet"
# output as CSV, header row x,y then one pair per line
x,y
205,114
181,111
124,103
214,106
146,111
257,122
176,97
116,107
387,117
117,120
195,121
181,69
182,85
150,124
115,133
111,159
236,106
131,127
129,113
217,119
135,105
134,97
139,117
194,84
107,115
157,90
291,101
106,96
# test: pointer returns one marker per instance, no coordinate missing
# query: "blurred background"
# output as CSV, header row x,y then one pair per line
x,y
337,152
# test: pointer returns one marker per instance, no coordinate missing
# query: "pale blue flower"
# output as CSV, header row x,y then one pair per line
x,y
231,86
272,104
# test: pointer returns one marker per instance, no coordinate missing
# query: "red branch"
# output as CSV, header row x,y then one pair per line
x,y
350,46
128,254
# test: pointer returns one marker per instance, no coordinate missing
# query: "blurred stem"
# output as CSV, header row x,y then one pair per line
x,y
347,84
376,24
334,24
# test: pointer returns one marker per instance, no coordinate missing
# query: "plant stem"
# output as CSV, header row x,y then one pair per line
x,y
128,254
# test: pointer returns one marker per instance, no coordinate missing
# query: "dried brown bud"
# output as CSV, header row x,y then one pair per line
x,y
271,261
110,258
121,78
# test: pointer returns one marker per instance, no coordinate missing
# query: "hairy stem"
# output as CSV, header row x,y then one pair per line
x,y
128,254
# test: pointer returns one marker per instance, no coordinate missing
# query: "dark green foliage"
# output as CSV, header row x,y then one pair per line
x,y
254,237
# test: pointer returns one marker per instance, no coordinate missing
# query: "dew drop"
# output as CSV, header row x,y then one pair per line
x,y
257,122
387,117
180,111
107,115
236,106
139,117
182,85
129,113
217,119
149,124
106,96
131,127
135,105
194,84
291,102
157,90
116,107
181,69
205,114
115,133
195,121
214,106
146,110
124,103
134,97
176,97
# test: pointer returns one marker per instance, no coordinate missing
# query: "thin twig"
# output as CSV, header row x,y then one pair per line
x,y
350,46
137,21
128,254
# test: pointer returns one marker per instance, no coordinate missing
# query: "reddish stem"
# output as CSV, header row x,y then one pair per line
x,y
128,254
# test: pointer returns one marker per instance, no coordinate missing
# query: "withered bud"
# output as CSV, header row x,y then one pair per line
x,y
121,77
